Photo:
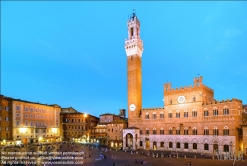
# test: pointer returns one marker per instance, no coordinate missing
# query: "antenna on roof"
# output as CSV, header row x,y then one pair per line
x,y
134,10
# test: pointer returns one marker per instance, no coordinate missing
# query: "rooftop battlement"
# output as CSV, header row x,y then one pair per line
x,y
222,101
197,83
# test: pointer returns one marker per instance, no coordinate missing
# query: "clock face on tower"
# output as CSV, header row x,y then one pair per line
x,y
132,107
181,99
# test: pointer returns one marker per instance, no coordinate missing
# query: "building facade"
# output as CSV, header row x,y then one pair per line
x,y
5,120
109,130
35,122
191,119
76,126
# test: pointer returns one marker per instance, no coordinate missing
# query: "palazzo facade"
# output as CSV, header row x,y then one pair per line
x,y
191,119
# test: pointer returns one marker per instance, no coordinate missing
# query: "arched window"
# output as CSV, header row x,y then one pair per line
x,y
216,131
178,145
226,148
162,144
206,112
215,111
161,115
194,131
194,113
206,147
162,131
194,98
170,131
206,131
186,145
226,131
170,114
170,144
147,115
147,130
186,131
194,145
225,111
185,113
140,143
177,131
177,114
154,115
140,130
154,131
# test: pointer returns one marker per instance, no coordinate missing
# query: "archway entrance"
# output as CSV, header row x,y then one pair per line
x,y
131,138
215,148
154,145
129,141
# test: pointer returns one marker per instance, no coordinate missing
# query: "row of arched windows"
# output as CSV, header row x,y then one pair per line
x,y
185,113
178,130
216,112
186,145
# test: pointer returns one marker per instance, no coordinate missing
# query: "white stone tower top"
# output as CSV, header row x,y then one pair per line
x,y
133,45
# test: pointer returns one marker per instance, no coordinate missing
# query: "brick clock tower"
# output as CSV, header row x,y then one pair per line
x,y
134,49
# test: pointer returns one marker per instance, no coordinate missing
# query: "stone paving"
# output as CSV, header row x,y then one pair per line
x,y
120,158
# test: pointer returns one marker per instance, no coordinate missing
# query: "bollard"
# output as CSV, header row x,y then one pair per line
x,y
170,156
177,155
195,156
185,156
212,157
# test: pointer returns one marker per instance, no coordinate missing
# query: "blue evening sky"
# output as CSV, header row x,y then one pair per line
x,y
72,53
